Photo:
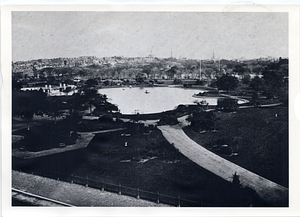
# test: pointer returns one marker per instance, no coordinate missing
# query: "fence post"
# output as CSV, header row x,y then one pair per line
x,y
71,178
138,193
120,189
87,182
157,200
178,200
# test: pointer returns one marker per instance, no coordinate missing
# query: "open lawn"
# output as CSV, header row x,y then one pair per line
x,y
48,134
258,136
148,162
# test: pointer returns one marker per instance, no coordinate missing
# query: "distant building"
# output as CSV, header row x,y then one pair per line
x,y
51,90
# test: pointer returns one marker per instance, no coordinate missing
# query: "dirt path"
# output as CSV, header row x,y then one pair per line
x,y
101,131
261,106
235,97
81,142
269,191
73,194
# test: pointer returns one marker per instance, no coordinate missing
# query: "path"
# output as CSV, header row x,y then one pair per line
x,y
72,194
81,142
34,199
101,131
235,97
261,106
271,192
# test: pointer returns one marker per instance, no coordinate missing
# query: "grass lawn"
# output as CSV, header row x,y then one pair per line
x,y
45,136
148,162
48,134
257,135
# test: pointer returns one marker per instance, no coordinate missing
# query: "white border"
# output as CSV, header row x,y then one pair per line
x,y
294,153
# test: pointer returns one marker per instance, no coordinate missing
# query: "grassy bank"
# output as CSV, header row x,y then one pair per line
x,y
258,136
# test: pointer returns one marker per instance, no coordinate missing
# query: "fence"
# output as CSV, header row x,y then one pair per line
x,y
156,197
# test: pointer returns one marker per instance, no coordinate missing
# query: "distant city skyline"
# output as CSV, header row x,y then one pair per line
x,y
193,35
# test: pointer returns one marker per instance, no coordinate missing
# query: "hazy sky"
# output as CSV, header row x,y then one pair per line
x,y
195,35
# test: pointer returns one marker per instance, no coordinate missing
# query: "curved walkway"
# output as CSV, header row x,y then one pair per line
x,y
271,192
235,97
81,142
261,106
101,131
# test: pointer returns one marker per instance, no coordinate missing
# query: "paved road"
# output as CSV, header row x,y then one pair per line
x,y
72,194
269,191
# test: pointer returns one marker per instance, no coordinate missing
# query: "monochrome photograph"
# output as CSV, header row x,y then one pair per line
x,y
150,109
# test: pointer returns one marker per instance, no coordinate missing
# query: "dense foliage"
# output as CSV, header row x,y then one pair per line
x,y
202,121
227,82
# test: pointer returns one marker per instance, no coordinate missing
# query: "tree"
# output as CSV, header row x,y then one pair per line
x,y
256,83
73,119
239,69
68,81
89,96
177,81
82,73
255,99
172,71
246,79
54,108
227,104
141,77
147,70
168,120
202,120
227,82
51,79
26,104
274,76
16,85
91,83
199,82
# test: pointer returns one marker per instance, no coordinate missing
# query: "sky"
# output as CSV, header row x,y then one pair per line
x,y
195,35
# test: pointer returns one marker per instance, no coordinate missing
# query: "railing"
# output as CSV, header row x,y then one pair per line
x,y
156,197
34,196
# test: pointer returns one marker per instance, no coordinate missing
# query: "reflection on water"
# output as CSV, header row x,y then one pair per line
x,y
151,99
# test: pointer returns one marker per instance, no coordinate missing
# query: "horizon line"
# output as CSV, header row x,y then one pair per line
x,y
232,59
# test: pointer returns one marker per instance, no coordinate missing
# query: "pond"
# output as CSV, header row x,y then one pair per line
x,y
146,100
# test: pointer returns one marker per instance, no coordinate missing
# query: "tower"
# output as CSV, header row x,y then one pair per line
x,y
200,71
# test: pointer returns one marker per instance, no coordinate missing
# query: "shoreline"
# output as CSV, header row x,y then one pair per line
x,y
157,115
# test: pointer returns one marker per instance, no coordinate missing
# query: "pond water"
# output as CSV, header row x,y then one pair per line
x,y
152,99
